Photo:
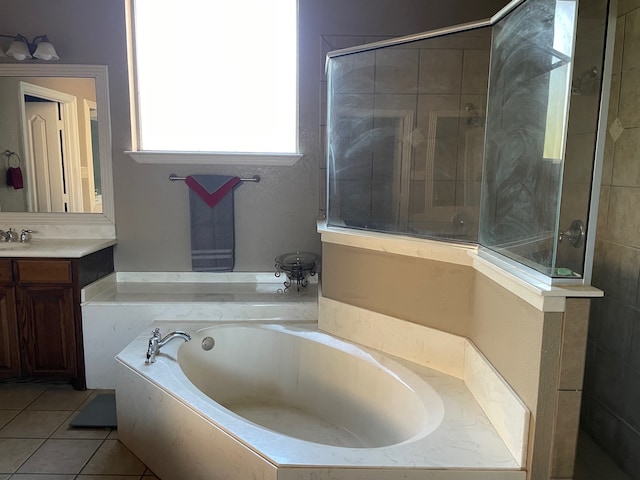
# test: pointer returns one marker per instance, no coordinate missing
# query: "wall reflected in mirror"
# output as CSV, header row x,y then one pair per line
x,y
51,124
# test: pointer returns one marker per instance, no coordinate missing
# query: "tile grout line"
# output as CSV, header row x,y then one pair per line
x,y
49,437
91,456
43,440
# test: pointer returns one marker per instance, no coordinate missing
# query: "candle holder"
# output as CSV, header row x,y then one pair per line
x,y
297,266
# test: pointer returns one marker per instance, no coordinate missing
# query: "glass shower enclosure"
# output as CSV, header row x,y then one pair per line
x,y
488,133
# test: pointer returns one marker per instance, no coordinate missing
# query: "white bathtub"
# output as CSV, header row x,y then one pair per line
x,y
289,402
310,386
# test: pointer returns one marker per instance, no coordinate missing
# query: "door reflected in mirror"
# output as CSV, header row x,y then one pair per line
x,y
51,123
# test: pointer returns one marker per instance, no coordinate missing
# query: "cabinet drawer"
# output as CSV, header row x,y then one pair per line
x,y
6,274
44,271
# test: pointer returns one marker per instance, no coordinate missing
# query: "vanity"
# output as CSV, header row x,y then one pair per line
x,y
68,207
40,315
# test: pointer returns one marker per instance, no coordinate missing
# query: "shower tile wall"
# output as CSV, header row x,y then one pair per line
x,y
433,92
330,43
610,412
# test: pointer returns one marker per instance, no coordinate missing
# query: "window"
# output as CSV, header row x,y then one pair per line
x,y
216,76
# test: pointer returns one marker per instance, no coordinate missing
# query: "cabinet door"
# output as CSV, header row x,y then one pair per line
x,y
9,352
47,334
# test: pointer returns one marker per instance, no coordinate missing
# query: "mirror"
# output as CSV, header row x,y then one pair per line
x,y
78,189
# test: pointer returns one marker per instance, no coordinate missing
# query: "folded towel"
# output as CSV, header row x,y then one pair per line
x,y
14,178
211,188
212,222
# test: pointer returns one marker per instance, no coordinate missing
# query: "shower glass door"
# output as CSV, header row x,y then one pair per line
x,y
541,133
406,132
489,133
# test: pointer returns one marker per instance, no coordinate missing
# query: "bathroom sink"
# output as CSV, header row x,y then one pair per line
x,y
14,245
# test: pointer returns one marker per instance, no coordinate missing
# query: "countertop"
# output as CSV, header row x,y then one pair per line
x,y
55,247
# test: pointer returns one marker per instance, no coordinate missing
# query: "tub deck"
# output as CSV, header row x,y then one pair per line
x,y
177,288
118,308
220,444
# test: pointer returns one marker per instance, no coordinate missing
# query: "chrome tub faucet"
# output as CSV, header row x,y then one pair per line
x,y
156,342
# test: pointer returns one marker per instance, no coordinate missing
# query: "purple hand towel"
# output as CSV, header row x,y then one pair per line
x,y
14,178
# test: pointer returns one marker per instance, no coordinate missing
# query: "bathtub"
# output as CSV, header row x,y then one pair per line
x,y
308,386
271,401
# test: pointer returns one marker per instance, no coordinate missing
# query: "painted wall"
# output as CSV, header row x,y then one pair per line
x,y
612,380
279,214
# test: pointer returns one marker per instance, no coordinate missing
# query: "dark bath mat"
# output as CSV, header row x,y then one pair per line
x,y
100,412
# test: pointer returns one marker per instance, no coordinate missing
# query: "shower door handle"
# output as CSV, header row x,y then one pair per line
x,y
575,234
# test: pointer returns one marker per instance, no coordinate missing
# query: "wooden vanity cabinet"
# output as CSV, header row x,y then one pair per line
x,y
41,315
9,351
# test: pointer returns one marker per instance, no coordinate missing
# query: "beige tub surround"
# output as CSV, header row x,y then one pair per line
x,y
532,333
118,308
441,351
526,284
459,442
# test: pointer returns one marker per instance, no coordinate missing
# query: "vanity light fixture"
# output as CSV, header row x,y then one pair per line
x,y
21,49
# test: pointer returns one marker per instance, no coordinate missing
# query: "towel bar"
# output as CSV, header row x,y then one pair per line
x,y
256,178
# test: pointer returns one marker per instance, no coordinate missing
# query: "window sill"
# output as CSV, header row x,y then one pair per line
x,y
215,158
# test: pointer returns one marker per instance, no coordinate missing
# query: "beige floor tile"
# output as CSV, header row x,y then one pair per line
x,y
4,477
113,435
113,458
60,456
60,399
34,424
65,431
14,451
18,398
6,416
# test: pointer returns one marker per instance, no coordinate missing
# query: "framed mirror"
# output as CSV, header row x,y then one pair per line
x,y
86,170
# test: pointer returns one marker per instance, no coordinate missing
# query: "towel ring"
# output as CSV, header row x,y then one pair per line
x,y
10,155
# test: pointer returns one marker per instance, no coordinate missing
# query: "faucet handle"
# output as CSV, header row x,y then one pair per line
x,y
25,235
12,235
153,347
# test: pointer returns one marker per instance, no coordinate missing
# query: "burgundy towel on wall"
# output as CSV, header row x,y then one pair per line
x,y
215,188
14,178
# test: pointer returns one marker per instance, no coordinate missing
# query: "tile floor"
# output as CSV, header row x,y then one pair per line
x,y
36,442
